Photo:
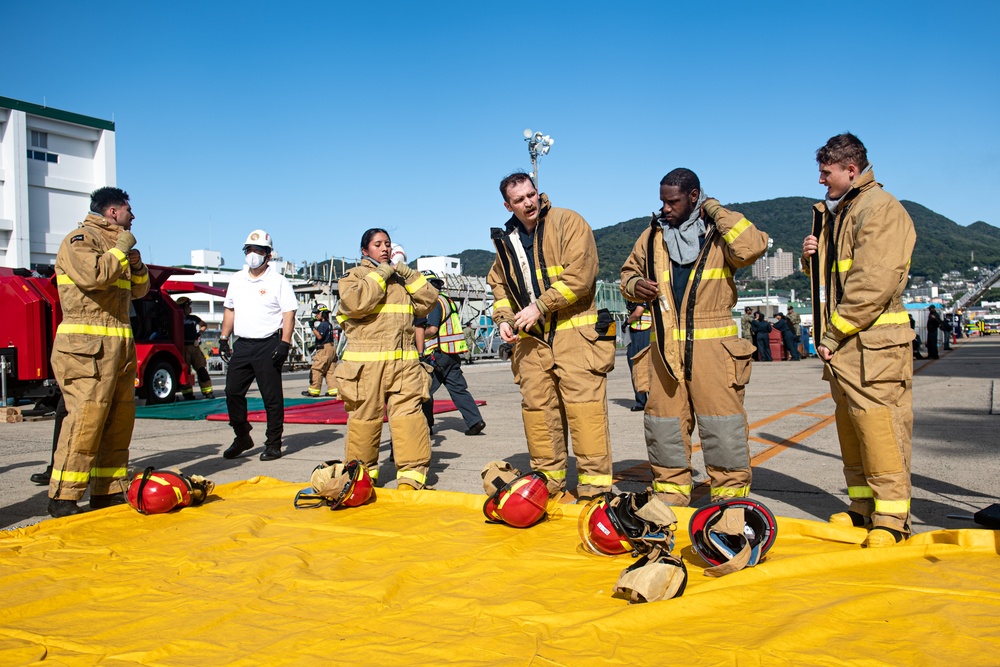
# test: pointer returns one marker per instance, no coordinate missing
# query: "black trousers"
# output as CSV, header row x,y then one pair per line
x,y
789,339
637,342
448,371
252,361
932,351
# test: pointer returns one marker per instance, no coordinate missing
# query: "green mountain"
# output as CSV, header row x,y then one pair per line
x,y
942,244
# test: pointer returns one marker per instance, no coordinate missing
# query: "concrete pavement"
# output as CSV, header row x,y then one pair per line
x,y
797,470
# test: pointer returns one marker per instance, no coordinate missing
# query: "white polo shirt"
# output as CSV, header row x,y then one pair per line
x,y
258,303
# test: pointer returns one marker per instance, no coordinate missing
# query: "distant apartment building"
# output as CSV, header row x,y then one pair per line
x,y
50,162
781,263
440,265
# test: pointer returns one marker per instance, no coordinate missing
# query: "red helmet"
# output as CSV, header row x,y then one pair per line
x,y
158,491
716,547
519,503
601,531
358,490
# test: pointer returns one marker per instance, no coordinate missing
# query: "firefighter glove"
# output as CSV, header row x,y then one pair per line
x,y
404,271
126,241
711,208
280,354
225,351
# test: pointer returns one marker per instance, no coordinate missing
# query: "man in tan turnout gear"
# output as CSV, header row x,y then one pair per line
x,y
858,258
98,273
543,279
380,369
697,365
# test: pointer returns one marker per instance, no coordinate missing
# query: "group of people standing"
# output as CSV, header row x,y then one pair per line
x,y
755,328
678,279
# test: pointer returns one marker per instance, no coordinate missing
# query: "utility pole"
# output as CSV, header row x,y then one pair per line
x,y
538,145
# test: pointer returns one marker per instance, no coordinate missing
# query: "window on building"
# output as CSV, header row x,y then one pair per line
x,y
39,139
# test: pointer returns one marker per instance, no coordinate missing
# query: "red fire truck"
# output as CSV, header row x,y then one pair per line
x,y
29,304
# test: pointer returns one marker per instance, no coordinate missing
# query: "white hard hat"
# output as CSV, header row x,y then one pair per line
x,y
397,254
260,238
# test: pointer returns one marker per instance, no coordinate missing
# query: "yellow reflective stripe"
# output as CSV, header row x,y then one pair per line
x,y
95,330
666,276
70,476
554,474
108,472
708,333
565,291
379,280
122,259
727,492
668,487
502,303
859,492
373,473
841,266
138,280
342,318
891,318
406,308
892,506
416,284
714,274
412,474
737,229
842,325
381,356
578,321
550,271
66,280
596,480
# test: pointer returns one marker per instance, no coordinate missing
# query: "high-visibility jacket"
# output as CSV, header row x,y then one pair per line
x,y
644,323
860,269
731,242
376,312
565,260
95,299
450,338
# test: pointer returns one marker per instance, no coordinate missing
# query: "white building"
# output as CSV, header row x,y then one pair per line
x,y
781,264
50,162
440,265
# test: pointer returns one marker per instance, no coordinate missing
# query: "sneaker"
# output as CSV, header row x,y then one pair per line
x,y
271,453
476,428
240,444
882,537
110,500
61,508
850,518
41,478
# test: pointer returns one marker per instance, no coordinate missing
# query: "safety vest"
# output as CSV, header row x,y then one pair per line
x,y
450,338
644,322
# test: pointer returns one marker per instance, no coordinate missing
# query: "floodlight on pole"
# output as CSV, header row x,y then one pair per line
x,y
538,145
767,278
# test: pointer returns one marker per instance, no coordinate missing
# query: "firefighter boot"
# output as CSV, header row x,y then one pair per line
x,y
99,502
850,518
882,537
61,508
42,478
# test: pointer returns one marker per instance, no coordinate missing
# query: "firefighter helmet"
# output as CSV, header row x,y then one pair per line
x,y
718,546
520,503
158,491
434,279
629,522
338,485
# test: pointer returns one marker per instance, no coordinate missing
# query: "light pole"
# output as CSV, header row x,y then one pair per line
x,y
767,279
538,145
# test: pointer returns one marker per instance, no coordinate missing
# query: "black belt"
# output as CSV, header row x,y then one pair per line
x,y
257,340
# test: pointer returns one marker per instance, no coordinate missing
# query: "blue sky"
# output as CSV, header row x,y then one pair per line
x,y
318,120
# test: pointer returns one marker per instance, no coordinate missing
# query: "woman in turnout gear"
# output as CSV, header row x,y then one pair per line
x,y
380,369
697,365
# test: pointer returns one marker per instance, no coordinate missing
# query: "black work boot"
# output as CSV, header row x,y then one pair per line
x,y
241,443
42,478
61,508
270,453
99,502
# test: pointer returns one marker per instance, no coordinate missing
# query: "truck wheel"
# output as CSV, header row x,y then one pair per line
x,y
161,383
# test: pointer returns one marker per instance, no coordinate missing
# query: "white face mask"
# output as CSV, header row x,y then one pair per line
x,y
255,261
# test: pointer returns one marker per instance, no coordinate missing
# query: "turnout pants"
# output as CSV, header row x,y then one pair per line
x,y
448,371
714,400
97,378
399,387
252,361
875,424
323,368
195,359
562,396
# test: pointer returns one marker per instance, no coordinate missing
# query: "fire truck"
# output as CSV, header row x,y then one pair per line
x,y
31,314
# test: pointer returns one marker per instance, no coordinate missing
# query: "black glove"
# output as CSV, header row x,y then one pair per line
x,y
280,354
505,351
225,351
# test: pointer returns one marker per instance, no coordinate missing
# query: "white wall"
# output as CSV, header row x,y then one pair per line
x,y
440,265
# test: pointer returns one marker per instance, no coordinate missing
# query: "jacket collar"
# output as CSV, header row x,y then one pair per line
x,y
864,182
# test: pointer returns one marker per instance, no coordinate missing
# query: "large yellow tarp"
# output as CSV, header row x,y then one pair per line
x,y
418,578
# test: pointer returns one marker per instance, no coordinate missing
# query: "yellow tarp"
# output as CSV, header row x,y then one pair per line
x,y
421,579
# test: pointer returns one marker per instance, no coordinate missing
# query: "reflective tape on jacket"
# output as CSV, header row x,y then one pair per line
x,y
565,291
379,280
138,280
122,258
63,279
848,329
735,232
714,274
571,323
842,265
392,355
94,330
502,303
405,308
550,271
416,284
707,333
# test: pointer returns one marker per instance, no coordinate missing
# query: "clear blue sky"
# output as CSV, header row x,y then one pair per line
x,y
317,120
